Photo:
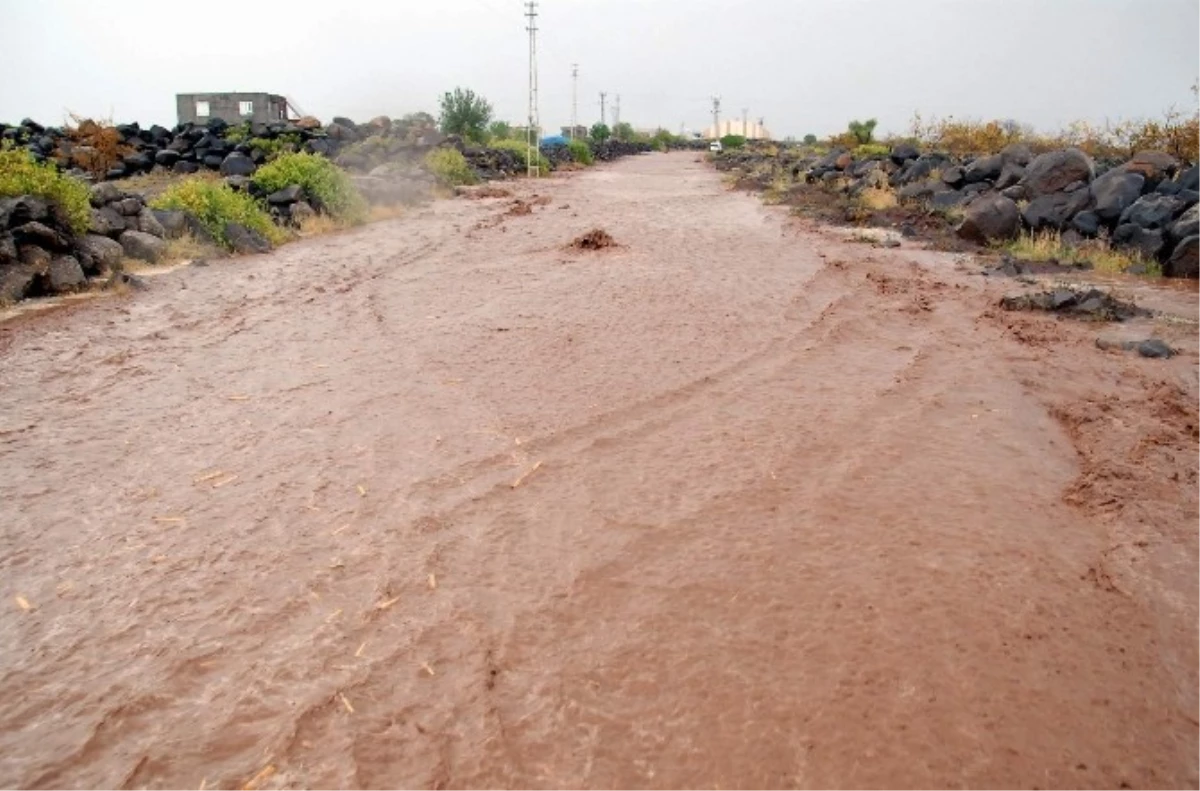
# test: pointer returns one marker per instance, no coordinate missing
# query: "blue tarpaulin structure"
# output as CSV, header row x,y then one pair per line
x,y
554,140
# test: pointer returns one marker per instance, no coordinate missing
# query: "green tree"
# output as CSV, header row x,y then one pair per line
x,y
810,139
600,132
465,113
500,130
623,131
863,131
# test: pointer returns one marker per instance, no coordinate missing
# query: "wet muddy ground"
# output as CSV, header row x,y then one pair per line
x,y
445,501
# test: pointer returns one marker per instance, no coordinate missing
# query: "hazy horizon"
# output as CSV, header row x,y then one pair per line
x,y
802,66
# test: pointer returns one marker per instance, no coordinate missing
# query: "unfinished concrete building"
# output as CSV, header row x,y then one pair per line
x,y
233,108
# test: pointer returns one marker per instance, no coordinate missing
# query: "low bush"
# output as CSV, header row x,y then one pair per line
x,y
877,198
214,204
450,167
522,151
581,152
324,182
274,147
870,150
733,141
97,145
21,174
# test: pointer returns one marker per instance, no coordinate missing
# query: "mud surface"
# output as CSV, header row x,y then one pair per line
x,y
438,503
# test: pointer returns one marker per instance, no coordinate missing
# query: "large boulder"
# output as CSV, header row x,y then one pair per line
x,y
903,152
1087,223
989,218
104,253
129,207
289,194
137,162
166,158
237,164
22,209
953,177
1056,209
983,169
1187,225
105,193
1130,236
1017,154
143,246
148,223
172,221
1190,178
1154,167
1115,191
1054,170
1010,175
42,235
1185,259
65,274
1154,211
106,222
245,240
15,281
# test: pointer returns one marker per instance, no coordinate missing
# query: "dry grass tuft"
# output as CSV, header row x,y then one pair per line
x,y
1049,246
187,248
877,198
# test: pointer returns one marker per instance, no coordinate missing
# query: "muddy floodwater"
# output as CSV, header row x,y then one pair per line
x,y
445,501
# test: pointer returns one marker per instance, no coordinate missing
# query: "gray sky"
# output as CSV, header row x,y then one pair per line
x,y
804,65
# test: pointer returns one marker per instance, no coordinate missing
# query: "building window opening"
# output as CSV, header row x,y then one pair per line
x,y
202,109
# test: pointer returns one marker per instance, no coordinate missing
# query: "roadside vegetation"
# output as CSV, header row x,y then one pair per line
x,y
215,204
450,167
327,186
1049,246
21,174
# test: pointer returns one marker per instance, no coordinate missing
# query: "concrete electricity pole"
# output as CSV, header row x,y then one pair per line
x,y
745,129
616,113
531,132
602,115
574,98
716,112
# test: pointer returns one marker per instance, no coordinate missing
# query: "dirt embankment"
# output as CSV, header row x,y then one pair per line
x,y
443,501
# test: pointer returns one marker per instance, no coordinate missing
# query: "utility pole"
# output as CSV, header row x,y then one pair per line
x,y
716,112
602,116
531,132
762,127
574,98
745,129
616,112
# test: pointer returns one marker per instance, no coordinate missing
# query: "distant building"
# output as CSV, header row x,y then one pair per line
x,y
233,108
751,130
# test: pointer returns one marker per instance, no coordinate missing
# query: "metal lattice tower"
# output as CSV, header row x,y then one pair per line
x,y
574,98
716,112
531,131
616,113
602,115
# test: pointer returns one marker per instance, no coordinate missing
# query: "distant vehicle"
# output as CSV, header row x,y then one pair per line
x,y
715,146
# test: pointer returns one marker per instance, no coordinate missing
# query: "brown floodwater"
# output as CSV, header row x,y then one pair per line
x,y
444,501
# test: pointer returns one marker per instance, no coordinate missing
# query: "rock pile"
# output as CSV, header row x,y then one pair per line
x,y
40,255
1145,205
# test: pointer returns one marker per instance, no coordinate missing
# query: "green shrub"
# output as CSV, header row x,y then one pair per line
x,y
21,174
450,167
581,152
238,133
733,141
863,131
273,147
215,203
868,150
324,182
600,132
522,151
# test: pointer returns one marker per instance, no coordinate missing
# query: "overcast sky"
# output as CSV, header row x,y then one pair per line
x,y
803,65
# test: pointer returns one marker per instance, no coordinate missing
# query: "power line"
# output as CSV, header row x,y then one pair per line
x,y
531,131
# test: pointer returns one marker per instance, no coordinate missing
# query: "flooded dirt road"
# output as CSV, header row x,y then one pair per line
x,y
440,502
